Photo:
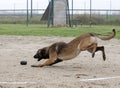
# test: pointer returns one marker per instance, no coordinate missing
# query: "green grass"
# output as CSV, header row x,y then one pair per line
x,y
42,30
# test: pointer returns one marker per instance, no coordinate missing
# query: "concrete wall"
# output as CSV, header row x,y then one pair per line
x,y
59,10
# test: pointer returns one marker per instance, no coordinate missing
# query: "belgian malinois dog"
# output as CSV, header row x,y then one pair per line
x,y
61,51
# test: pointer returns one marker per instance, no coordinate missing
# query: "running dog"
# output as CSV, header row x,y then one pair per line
x,y
61,51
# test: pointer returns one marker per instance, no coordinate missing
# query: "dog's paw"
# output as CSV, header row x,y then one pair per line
x,y
104,58
33,66
93,54
36,65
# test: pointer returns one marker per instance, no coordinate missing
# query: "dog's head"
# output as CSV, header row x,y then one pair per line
x,y
42,54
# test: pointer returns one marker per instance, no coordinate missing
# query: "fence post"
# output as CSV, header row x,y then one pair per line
x,y
27,21
90,12
31,8
72,14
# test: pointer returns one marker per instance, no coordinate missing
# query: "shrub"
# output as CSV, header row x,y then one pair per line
x,y
85,19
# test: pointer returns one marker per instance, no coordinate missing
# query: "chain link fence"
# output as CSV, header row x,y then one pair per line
x,y
77,16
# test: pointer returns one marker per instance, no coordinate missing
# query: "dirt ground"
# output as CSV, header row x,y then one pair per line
x,y
80,72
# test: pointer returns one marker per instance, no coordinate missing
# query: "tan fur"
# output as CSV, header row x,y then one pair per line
x,y
67,51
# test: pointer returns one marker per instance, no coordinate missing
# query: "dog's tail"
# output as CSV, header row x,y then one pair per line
x,y
106,37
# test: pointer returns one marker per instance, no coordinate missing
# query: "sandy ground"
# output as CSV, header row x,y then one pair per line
x,y
80,72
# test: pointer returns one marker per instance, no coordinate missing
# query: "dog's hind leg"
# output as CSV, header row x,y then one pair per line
x,y
101,48
92,49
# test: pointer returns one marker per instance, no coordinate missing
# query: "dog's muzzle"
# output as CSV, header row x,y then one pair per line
x,y
37,57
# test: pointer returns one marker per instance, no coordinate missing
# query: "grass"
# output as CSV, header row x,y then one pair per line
x,y
42,30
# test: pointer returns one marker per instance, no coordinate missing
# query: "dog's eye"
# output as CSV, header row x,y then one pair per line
x,y
43,51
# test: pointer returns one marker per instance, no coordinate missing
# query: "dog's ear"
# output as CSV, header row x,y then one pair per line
x,y
44,53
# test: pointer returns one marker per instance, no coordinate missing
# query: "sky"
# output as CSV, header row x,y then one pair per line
x,y
78,4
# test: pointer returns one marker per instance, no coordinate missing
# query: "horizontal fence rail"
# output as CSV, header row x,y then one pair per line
x,y
80,16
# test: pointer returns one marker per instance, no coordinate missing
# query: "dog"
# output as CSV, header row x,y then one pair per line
x,y
61,51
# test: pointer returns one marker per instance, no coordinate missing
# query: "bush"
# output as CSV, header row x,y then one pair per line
x,y
85,19
96,19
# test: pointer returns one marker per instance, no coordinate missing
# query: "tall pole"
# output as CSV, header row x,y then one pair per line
x,y
72,13
31,8
49,15
27,21
110,6
90,12
14,12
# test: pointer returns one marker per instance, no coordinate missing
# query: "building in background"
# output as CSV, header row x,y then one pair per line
x,y
57,13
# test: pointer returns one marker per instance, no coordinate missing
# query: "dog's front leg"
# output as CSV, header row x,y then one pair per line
x,y
47,63
51,60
